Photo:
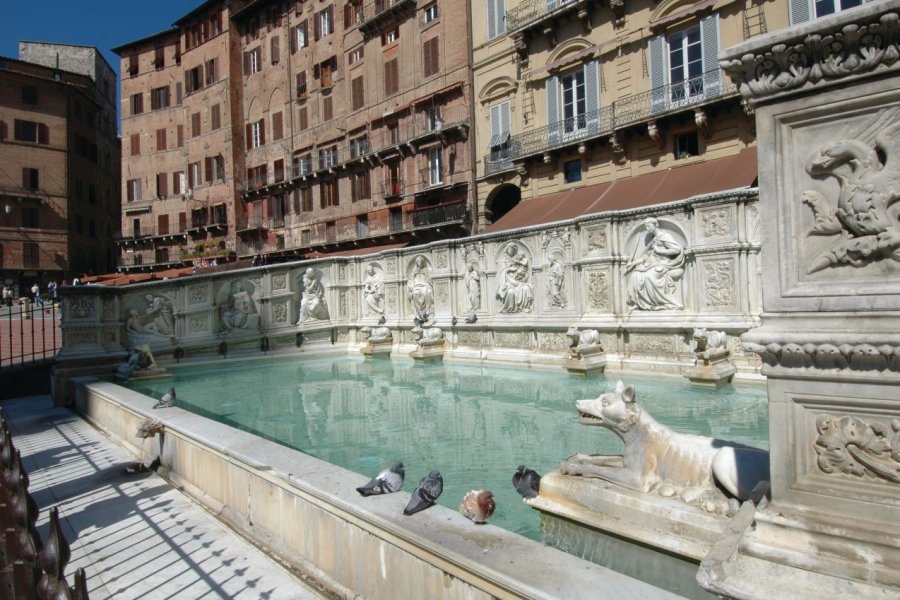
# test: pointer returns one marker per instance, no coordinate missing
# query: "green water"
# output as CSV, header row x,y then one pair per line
x,y
473,423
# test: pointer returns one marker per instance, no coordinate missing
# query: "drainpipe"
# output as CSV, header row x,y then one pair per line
x,y
473,192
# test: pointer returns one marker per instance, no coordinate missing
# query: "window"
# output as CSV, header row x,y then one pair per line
x,y
195,125
215,116
430,64
137,104
212,71
252,61
134,190
572,171
302,165
30,255
160,139
434,166
328,157
359,147
329,193
299,38
194,175
325,22
433,117
304,237
394,133
431,13
396,219
29,94
684,66
215,24
278,170
178,93
389,37
496,15
327,108
686,145
135,144
357,93
133,65
193,79
30,217
355,55
161,185
256,134
180,135
306,203
159,57
302,118
804,10
30,178
301,84
215,168
275,49
159,98
178,182
362,226
326,71
573,101
392,181
391,77
359,186
29,131
277,126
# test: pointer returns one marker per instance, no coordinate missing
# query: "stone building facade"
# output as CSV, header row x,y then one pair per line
x,y
58,188
305,128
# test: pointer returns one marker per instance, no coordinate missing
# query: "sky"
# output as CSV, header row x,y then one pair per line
x,y
104,24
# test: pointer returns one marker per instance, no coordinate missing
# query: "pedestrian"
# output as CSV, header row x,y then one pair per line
x,y
7,295
51,289
36,295
76,281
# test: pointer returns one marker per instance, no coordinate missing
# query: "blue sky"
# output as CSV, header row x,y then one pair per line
x,y
105,24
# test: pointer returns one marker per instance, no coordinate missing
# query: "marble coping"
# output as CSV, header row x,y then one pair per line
x,y
309,511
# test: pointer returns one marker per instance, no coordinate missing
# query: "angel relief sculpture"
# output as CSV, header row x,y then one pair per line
x,y
866,165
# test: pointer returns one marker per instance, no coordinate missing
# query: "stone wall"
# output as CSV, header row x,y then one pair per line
x,y
644,279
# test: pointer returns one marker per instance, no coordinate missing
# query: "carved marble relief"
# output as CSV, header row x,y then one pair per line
x,y
312,298
852,446
148,318
342,303
596,239
373,290
280,312
469,338
655,270
279,281
472,283
563,235
509,339
515,292
198,294
598,291
81,336
716,223
650,343
865,163
108,309
718,282
553,342
82,307
419,287
441,260
443,295
237,305
556,279
197,324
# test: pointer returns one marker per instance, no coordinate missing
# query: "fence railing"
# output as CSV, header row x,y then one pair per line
x,y
437,215
29,332
532,11
621,113
29,567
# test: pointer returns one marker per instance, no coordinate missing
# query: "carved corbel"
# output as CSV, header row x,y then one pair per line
x,y
522,172
585,15
654,133
702,122
618,150
547,158
549,32
582,148
618,10
521,47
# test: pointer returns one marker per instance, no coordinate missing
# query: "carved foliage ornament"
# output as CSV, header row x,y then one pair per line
x,y
853,49
719,283
851,446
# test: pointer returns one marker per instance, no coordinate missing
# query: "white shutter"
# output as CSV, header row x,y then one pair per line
x,y
592,95
712,74
553,109
800,11
658,77
492,18
505,123
495,125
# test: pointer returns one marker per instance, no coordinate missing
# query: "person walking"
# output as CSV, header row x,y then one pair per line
x,y
7,295
51,291
36,295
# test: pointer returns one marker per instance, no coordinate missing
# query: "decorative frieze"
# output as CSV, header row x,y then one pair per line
x,y
852,446
507,339
718,284
598,291
198,294
553,342
651,344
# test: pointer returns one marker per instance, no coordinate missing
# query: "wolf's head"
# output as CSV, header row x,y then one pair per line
x,y
615,410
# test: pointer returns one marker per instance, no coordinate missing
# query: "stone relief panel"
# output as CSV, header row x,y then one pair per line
x,y
651,344
716,223
440,260
419,285
443,296
373,290
553,342
562,236
198,294
469,338
237,305
597,291
312,298
108,309
82,308
280,314
718,284
279,281
515,290
149,318
654,275
852,446
198,324
81,336
596,240
509,339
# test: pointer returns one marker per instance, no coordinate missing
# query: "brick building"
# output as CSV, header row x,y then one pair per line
x,y
59,208
295,128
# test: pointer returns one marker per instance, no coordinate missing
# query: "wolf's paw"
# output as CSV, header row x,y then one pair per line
x,y
713,501
571,466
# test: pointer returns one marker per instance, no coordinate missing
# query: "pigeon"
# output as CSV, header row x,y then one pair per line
x,y
425,493
453,321
167,400
527,482
478,505
386,482
472,318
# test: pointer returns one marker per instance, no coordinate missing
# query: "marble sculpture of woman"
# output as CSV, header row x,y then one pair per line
x,y
373,290
312,301
419,288
472,279
514,290
555,281
654,270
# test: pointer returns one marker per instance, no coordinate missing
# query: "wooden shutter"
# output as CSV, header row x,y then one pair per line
x,y
317,26
552,88
658,73
348,15
357,93
43,133
430,58
180,136
160,140
246,69
195,124
216,116
176,184
178,93
277,126
492,18
303,117
161,181
3,130
209,166
262,132
330,11
293,40
276,50
249,135
327,111
135,144
592,95
800,11
709,40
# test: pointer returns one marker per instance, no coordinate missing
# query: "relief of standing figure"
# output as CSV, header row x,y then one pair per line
x,y
312,302
373,290
472,280
419,288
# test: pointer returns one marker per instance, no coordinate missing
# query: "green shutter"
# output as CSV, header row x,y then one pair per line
x,y
658,77
712,74
553,109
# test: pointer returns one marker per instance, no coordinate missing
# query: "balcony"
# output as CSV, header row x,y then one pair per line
x,y
632,110
442,214
200,223
252,224
534,13
144,233
375,14
392,189
131,262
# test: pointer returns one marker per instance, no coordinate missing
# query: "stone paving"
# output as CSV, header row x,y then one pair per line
x,y
135,535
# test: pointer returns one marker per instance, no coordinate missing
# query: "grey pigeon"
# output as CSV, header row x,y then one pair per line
x,y
472,318
167,400
386,482
425,493
527,482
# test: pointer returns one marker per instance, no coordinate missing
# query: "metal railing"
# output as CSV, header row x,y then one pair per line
x,y
30,567
391,189
532,11
373,11
430,216
252,223
29,332
621,113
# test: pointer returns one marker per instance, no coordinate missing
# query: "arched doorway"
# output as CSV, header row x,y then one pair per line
x,y
501,201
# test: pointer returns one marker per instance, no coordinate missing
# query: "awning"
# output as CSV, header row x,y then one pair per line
x,y
357,251
677,183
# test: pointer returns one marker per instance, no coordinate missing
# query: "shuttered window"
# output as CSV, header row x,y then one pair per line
x,y
160,139
496,15
195,124
212,71
161,185
391,77
327,109
277,126
357,93
135,144
430,62
180,136
275,49
137,104
303,118
500,124
215,116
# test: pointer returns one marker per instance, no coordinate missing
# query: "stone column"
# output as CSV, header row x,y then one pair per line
x,y
827,101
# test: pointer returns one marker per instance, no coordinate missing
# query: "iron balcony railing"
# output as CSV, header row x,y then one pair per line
x,y
440,215
391,189
142,233
604,121
139,260
252,224
533,11
372,13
